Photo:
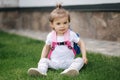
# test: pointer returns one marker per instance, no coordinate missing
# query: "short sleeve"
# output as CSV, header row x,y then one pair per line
x,y
75,37
48,39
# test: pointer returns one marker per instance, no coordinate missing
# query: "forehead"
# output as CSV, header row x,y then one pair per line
x,y
61,19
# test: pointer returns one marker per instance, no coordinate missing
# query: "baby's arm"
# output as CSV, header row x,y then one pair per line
x,y
83,50
45,51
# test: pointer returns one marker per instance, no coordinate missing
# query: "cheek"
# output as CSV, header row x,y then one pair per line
x,y
67,26
56,27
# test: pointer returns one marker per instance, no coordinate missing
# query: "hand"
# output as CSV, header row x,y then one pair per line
x,y
85,60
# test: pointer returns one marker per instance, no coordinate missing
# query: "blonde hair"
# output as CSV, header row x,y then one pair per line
x,y
59,12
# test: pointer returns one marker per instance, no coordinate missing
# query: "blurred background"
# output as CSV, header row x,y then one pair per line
x,y
94,19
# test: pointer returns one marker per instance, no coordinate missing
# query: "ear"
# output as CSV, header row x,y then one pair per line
x,y
51,25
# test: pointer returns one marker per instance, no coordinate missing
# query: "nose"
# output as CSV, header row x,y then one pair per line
x,y
62,25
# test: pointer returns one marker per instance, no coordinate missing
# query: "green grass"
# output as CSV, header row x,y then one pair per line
x,y
18,54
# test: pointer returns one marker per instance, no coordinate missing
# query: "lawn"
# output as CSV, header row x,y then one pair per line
x,y
18,54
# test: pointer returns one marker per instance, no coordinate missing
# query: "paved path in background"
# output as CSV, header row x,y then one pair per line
x,y
103,47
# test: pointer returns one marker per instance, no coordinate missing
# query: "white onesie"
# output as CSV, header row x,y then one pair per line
x,y
62,57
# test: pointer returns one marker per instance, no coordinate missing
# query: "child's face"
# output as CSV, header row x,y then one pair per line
x,y
60,25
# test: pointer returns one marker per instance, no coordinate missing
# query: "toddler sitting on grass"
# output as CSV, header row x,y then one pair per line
x,y
58,51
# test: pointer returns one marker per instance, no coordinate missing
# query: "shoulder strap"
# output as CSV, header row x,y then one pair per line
x,y
54,36
67,35
53,44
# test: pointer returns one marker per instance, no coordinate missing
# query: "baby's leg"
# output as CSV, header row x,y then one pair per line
x,y
77,63
41,70
74,68
46,63
43,65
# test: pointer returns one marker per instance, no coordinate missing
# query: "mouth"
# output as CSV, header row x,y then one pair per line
x,y
62,29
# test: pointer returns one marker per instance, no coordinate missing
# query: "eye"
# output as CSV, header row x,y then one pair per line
x,y
65,22
58,23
